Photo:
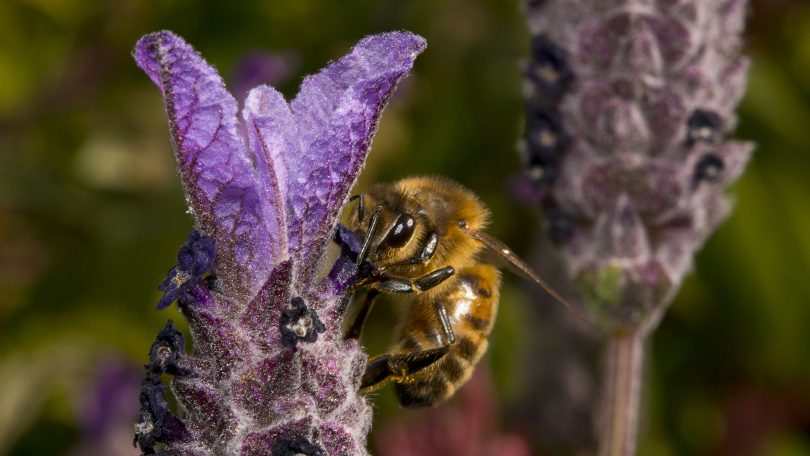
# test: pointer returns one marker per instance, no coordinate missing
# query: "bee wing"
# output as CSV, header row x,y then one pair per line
x,y
501,250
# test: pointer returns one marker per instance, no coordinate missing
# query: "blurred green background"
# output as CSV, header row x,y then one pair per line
x,y
92,212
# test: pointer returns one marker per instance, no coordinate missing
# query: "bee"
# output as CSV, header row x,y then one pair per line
x,y
425,238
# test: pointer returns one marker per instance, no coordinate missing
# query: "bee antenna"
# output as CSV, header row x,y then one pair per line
x,y
372,226
554,294
361,205
506,253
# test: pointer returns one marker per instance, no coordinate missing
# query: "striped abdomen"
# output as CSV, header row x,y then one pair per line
x,y
471,304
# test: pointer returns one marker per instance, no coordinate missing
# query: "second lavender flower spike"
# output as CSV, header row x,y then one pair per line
x,y
629,110
634,164
270,373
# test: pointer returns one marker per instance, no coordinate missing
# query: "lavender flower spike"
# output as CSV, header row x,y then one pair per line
x,y
270,373
632,169
644,97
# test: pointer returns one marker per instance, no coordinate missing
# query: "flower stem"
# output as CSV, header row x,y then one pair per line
x,y
620,406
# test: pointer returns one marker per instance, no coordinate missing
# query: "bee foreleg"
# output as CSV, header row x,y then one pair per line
x,y
398,368
401,285
430,280
394,285
427,252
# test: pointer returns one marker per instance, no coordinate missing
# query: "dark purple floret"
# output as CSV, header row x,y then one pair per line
x,y
295,446
168,347
704,125
349,242
709,168
344,272
560,226
174,286
549,69
299,324
197,254
156,422
195,258
545,136
542,175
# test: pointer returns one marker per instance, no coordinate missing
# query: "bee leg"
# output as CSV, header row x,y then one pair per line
x,y
441,311
432,279
359,320
429,249
395,285
425,254
400,285
398,368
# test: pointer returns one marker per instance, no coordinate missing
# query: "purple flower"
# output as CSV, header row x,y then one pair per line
x,y
105,410
270,372
195,258
548,69
299,324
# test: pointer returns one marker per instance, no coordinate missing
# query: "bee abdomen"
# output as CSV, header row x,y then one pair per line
x,y
468,349
478,324
472,304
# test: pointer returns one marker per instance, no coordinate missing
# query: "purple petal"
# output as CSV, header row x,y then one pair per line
x,y
205,402
171,288
217,338
273,137
336,440
268,389
337,111
260,316
215,167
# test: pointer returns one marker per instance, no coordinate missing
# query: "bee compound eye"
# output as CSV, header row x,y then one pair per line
x,y
401,232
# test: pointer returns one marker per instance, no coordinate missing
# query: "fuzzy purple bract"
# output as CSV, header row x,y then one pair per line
x,y
270,373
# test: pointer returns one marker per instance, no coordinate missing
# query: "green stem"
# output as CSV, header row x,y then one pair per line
x,y
620,406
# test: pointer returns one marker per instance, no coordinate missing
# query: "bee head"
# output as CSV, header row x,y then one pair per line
x,y
390,229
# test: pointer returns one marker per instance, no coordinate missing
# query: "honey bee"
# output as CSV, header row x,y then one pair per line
x,y
425,238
